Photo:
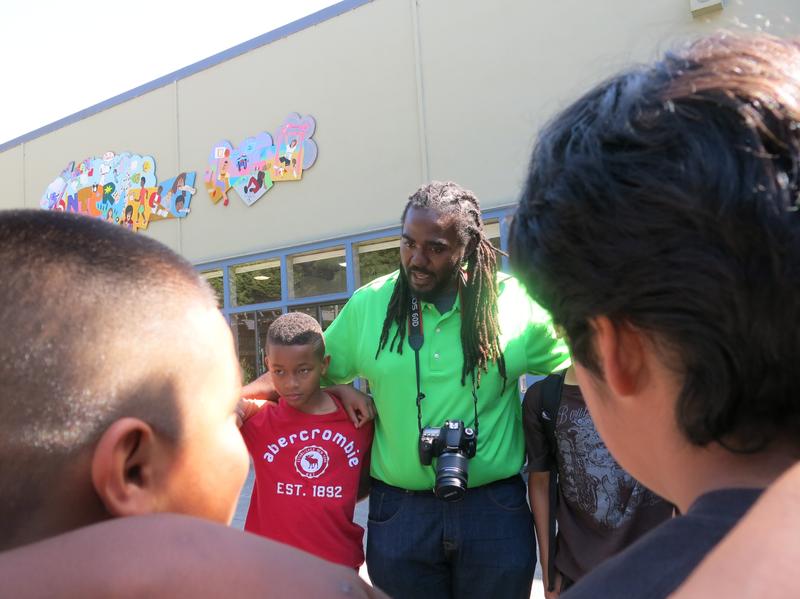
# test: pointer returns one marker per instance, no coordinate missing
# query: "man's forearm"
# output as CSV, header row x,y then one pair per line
x,y
261,388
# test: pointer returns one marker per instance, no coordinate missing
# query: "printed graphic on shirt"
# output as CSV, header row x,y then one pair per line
x,y
590,478
311,461
308,469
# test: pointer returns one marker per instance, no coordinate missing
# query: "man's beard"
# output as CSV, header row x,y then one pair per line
x,y
443,286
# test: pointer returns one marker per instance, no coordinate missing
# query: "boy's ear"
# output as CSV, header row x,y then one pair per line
x,y
619,351
126,468
326,361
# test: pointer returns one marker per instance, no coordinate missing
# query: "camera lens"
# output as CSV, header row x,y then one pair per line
x,y
451,476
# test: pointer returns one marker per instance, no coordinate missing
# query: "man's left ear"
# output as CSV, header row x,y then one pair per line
x,y
472,244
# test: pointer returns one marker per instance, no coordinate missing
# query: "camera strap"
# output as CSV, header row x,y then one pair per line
x,y
415,339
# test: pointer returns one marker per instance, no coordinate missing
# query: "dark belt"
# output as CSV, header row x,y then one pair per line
x,y
429,493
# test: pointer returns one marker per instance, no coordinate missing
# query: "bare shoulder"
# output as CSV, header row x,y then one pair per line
x,y
171,556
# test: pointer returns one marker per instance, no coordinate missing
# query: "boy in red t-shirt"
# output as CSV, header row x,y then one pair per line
x,y
309,459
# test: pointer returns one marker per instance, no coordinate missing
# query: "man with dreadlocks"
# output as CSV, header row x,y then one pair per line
x,y
479,332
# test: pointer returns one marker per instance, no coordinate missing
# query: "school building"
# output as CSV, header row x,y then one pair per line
x,y
400,92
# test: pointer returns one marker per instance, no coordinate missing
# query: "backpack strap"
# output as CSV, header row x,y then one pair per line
x,y
551,398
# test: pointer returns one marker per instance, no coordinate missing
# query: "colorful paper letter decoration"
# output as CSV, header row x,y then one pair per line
x,y
259,162
120,188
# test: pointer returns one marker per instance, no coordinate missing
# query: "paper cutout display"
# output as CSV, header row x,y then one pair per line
x,y
258,162
120,188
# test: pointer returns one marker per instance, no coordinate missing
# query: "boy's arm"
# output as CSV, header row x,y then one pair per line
x,y
260,392
364,480
538,467
261,389
170,556
364,484
539,496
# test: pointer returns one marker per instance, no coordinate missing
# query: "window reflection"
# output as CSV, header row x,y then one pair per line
x,y
309,275
256,283
377,258
214,278
318,273
250,336
244,336
492,230
264,318
323,313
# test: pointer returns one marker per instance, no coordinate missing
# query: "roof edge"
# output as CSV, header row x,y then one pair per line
x,y
262,40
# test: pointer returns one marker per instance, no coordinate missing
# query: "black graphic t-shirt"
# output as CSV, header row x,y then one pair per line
x,y
657,564
601,508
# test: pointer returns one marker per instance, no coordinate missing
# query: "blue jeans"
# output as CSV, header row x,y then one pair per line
x,y
481,546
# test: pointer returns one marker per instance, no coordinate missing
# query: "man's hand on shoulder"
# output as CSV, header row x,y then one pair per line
x,y
359,406
247,408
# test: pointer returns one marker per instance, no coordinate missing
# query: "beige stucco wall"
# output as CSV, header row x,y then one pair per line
x,y
512,64
402,91
145,125
12,172
355,75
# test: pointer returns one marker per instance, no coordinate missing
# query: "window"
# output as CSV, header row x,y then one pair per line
x,y
317,273
492,230
250,334
256,283
377,258
244,336
214,278
317,282
324,313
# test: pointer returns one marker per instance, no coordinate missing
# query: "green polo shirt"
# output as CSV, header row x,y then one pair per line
x,y
529,345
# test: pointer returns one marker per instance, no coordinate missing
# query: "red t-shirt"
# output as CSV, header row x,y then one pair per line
x,y
307,470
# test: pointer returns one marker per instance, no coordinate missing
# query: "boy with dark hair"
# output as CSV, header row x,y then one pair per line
x,y
99,420
659,225
573,481
309,458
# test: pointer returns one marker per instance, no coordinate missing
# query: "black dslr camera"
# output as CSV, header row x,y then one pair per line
x,y
453,445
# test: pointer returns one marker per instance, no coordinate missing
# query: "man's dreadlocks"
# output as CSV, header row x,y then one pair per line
x,y
480,329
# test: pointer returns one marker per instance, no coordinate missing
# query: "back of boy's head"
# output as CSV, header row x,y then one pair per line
x,y
85,308
297,328
667,198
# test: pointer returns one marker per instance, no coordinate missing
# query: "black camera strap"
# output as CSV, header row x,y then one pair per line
x,y
415,339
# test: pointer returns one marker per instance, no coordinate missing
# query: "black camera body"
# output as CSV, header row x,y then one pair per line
x,y
453,445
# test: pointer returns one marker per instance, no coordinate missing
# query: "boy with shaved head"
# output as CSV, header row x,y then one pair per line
x,y
101,417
